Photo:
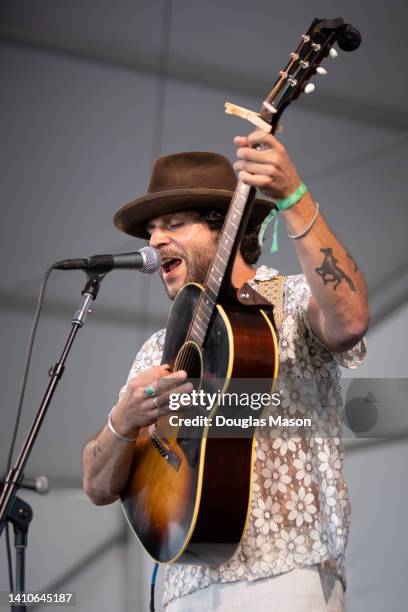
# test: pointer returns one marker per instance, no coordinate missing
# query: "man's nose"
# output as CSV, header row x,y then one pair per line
x,y
159,237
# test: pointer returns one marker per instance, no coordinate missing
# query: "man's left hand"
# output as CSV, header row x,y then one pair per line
x,y
270,169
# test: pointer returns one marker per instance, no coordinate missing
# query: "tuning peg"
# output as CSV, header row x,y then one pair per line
x,y
333,53
309,88
321,70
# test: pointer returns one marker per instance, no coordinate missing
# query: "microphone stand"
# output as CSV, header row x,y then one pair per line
x,y
12,509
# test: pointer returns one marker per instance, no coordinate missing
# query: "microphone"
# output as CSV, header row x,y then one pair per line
x,y
40,484
147,261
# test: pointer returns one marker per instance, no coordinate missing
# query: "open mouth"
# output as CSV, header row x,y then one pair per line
x,y
169,265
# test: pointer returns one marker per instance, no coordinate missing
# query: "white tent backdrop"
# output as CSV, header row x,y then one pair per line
x,y
80,122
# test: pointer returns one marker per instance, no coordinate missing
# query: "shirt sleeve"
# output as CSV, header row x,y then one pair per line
x,y
149,355
297,294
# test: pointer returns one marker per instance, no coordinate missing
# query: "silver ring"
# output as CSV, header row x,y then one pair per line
x,y
155,402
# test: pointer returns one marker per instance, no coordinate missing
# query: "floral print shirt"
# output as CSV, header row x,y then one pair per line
x,y
300,511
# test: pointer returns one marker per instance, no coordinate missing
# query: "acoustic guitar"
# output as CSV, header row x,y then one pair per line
x,y
188,497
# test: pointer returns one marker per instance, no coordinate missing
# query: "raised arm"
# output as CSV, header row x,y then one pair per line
x,y
338,310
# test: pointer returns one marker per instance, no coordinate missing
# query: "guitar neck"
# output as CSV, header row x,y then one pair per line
x,y
219,274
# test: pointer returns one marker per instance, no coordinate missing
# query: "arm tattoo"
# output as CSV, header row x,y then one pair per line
x,y
330,271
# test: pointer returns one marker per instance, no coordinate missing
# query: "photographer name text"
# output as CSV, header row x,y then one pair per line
x,y
244,423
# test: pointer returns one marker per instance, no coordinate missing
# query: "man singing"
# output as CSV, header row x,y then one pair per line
x,y
291,556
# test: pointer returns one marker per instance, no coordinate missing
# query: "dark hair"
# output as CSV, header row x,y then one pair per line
x,y
249,249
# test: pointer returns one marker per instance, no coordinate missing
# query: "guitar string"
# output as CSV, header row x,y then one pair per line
x,y
186,360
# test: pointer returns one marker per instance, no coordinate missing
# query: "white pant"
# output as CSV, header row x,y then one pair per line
x,y
301,590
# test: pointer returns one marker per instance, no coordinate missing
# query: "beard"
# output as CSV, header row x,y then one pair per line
x,y
197,265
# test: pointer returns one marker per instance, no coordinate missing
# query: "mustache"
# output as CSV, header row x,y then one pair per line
x,y
173,254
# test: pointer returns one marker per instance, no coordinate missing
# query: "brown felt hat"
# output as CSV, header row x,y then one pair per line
x,y
182,181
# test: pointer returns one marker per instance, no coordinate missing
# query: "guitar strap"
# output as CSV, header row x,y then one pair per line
x,y
272,290
265,293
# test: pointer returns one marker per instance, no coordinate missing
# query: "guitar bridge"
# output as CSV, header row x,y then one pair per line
x,y
163,449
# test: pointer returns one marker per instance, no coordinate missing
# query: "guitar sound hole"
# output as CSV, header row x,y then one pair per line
x,y
190,359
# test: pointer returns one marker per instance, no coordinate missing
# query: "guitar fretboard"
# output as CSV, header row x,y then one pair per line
x,y
219,265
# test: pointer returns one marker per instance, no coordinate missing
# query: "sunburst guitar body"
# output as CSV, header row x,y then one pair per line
x,y
188,498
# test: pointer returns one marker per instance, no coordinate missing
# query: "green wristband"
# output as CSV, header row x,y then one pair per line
x,y
283,204
293,198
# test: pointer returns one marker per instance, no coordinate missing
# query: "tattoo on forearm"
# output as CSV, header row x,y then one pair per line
x,y
330,271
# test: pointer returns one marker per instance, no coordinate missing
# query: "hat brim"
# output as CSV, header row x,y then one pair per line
x,y
133,217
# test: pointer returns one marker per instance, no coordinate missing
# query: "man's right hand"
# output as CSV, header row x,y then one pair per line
x,y
137,409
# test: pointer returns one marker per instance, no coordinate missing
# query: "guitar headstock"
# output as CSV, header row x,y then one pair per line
x,y
316,44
